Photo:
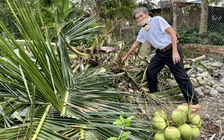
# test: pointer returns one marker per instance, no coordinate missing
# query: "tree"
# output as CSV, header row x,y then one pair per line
x,y
216,2
110,9
7,18
204,18
147,3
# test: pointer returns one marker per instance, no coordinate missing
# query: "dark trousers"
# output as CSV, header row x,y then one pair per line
x,y
165,58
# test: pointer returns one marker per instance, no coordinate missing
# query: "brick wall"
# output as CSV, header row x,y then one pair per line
x,y
188,15
205,49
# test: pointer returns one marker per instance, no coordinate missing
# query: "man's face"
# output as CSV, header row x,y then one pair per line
x,y
141,16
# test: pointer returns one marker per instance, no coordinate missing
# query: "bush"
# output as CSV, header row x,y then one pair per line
x,y
189,36
216,38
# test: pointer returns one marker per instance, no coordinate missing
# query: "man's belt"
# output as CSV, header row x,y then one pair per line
x,y
167,48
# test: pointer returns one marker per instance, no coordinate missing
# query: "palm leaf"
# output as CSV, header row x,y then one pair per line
x,y
50,102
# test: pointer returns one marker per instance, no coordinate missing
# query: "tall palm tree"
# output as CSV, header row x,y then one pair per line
x,y
40,98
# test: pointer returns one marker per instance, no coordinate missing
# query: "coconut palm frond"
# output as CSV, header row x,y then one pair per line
x,y
96,125
45,73
79,29
42,99
11,133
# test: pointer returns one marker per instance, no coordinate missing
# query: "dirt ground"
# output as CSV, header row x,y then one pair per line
x,y
212,114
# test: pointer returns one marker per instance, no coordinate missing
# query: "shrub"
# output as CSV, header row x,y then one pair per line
x,y
216,38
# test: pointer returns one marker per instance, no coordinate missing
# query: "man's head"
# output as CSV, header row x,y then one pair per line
x,y
141,13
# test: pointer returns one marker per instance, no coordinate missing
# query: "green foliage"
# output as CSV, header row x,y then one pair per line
x,y
123,123
118,9
216,38
213,38
215,35
8,19
54,12
216,27
189,36
148,4
215,1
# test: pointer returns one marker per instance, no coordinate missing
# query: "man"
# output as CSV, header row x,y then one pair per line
x,y
163,38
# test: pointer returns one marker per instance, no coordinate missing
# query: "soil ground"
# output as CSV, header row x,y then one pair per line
x,y
212,114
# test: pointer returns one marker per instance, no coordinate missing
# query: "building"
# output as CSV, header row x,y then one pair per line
x,y
168,3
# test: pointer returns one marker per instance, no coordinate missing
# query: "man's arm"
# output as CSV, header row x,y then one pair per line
x,y
173,35
133,47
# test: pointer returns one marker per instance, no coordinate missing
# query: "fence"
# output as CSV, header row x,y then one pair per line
x,y
187,23
216,25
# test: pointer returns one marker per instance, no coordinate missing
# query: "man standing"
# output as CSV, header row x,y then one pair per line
x,y
163,38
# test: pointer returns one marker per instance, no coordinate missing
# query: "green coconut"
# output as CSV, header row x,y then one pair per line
x,y
184,107
172,133
195,119
179,117
195,132
159,136
158,123
185,131
161,113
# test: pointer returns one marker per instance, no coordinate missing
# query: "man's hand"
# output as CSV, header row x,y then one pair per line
x,y
124,58
176,57
133,47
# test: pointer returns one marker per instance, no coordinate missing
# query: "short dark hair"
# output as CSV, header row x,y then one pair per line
x,y
141,9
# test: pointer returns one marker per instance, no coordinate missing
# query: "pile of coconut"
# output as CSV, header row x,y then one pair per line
x,y
180,125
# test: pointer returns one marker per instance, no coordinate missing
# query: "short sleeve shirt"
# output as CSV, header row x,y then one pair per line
x,y
156,34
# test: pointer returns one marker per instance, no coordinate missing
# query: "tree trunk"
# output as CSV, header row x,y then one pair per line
x,y
204,18
175,13
98,7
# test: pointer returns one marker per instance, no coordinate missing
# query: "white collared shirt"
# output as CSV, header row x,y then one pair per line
x,y
156,34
